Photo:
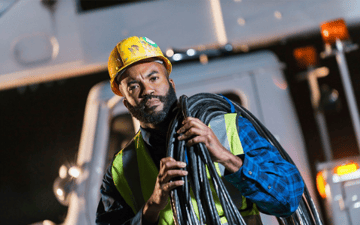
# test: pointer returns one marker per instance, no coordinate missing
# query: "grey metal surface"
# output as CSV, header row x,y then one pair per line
x,y
169,23
342,202
352,200
267,21
348,88
85,39
324,134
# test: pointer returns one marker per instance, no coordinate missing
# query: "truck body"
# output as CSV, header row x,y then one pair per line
x,y
61,40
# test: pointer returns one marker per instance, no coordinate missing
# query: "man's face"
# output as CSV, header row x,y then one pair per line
x,y
148,93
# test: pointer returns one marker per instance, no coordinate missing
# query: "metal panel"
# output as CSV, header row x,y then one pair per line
x,y
27,22
169,23
261,22
342,201
85,39
352,201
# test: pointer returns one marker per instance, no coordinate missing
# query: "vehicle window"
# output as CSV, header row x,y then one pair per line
x,y
122,131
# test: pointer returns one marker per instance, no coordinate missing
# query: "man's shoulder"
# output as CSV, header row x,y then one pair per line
x,y
129,146
225,116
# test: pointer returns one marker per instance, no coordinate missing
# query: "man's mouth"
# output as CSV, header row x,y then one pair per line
x,y
152,102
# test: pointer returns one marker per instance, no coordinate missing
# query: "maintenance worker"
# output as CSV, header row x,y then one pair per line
x,y
136,186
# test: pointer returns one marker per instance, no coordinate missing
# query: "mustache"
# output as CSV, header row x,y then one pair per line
x,y
148,97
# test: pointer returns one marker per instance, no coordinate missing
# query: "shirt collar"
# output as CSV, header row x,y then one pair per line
x,y
145,135
153,138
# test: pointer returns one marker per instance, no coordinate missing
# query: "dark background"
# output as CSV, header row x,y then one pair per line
x,y
41,127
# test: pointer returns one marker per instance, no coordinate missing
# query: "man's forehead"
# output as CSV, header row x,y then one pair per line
x,y
150,64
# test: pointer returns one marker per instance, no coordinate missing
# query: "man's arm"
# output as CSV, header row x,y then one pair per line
x,y
263,176
268,180
112,208
194,131
169,169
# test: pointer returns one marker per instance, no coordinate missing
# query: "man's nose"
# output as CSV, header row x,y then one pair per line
x,y
147,89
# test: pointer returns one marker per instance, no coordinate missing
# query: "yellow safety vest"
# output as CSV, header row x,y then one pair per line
x,y
134,173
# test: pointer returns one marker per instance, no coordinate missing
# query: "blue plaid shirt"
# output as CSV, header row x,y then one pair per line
x,y
272,183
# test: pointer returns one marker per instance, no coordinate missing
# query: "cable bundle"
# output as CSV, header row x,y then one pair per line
x,y
205,107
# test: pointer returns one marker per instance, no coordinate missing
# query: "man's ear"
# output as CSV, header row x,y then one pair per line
x,y
172,83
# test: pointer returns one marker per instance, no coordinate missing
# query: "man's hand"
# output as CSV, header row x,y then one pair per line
x,y
195,131
169,168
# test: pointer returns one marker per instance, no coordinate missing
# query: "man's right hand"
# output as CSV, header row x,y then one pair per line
x,y
169,169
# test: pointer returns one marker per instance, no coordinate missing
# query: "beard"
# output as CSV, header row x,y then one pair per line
x,y
148,115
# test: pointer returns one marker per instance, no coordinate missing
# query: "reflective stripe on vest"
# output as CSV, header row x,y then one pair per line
x,y
226,130
134,172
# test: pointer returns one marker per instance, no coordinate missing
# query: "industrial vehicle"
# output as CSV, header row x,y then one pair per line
x,y
55,40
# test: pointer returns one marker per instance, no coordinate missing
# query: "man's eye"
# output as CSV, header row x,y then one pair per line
x,y
133,87
154,78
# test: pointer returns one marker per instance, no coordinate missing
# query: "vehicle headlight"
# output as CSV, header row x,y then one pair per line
x,y
65,183
74,171
62,189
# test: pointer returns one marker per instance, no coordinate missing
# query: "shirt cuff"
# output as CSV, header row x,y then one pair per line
x,y
244,178
138,219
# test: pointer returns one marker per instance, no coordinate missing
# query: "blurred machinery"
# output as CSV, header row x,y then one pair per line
x,y
55,40
338,181
307,58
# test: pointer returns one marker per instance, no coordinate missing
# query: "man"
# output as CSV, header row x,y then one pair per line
x,y
136,186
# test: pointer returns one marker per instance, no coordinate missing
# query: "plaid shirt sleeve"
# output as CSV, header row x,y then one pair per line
x,y
272,183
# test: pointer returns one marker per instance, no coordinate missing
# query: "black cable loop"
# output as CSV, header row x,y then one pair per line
x,y
206,107
216,180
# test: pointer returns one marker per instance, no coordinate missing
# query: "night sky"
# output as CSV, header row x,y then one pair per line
x,y
41,128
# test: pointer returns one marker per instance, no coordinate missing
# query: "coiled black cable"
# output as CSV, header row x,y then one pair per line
x,y
206,106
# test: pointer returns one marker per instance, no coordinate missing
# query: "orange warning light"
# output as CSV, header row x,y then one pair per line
x,y
330,31
346,169
320,184
306,56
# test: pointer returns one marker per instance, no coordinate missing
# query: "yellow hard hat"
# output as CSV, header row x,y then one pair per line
x,y
130,51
